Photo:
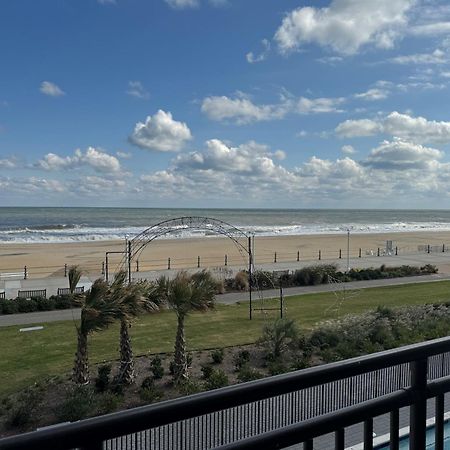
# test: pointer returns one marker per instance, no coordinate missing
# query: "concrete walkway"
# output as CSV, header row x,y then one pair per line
x,y
230,298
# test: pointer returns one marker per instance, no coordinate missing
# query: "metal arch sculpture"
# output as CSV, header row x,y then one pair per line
x,y
136,245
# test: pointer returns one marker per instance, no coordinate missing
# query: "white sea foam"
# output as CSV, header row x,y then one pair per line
x,y
73,233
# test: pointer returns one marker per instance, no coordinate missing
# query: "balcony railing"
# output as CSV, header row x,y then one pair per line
x,y
279,411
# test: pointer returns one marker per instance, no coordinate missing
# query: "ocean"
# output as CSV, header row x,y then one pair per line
x,y
40,225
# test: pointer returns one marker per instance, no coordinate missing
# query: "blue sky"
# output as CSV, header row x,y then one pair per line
x,y
225,103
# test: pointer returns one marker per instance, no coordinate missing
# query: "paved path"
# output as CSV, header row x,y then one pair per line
x,y
228,299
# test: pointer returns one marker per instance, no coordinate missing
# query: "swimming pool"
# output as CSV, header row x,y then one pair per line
x,y
404,442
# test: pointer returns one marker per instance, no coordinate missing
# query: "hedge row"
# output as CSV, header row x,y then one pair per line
x,y
326,273
23,305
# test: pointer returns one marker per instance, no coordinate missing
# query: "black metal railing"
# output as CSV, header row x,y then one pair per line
x,y
279,411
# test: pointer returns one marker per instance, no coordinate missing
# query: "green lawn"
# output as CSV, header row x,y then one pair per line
x,y
26,357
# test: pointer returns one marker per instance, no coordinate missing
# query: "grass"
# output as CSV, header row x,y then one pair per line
x,y
27,357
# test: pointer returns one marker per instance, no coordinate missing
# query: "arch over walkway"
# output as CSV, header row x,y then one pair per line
x,y
136,245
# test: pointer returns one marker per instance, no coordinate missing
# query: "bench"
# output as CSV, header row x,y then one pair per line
x,y
2,295
66,291
37,293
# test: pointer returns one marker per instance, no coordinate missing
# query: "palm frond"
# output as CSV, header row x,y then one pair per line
x,y
74,277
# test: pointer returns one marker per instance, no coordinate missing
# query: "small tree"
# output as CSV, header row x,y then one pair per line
x,y
278,336
186,293
98,311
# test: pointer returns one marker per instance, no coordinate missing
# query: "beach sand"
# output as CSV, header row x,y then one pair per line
x,y
49,259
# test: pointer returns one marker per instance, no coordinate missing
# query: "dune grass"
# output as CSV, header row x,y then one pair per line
x,y
28,357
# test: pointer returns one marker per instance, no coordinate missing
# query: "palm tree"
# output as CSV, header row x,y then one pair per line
x,y
132,302
97,313
186,293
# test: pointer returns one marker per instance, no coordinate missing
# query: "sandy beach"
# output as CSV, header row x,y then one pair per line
x,y
49,259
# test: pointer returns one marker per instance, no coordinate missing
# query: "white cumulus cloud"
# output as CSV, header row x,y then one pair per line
x,y
241,110
415,129
345,25
51,89
95,158
160,132
319,105
137,89
182,4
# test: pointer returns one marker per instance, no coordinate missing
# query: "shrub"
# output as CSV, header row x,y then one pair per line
x,y
10,307
157,368
102,381
23,411
63,302
46,304
189,387
264,279
149,392
107,402
78,404
247,373
206,371
276,367
217,356
243,357
241,281
26,305
172,368
278,336
217,379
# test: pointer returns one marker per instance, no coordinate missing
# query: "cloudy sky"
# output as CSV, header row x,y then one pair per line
x,y
225,103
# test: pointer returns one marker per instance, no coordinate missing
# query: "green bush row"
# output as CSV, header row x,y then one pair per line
x,y
23,305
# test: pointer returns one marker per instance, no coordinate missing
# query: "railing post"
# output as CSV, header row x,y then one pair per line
x,y
168,263
360,253
198,262
25,273
320,255
418,414
65,270
340,254
103,267
137,265
298,255
378,251
428,248
443,248
226,260
275,257
396,251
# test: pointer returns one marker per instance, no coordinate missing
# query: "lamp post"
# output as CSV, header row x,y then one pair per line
x,y
348,249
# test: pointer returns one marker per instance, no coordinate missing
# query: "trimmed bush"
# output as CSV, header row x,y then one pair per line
x,y
156,368
247,373
241,281
107,402
217,379
77,405
243,357
62,301
26,305
10,307
46,304
206,371
23,411
217,356
102,381
149,392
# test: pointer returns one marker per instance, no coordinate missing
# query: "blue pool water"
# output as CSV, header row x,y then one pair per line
x,y
404,443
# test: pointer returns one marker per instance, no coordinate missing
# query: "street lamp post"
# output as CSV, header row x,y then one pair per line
x,y
348,249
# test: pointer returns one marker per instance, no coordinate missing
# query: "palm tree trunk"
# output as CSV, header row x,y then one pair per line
x,y
81,366
127,374
180,372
